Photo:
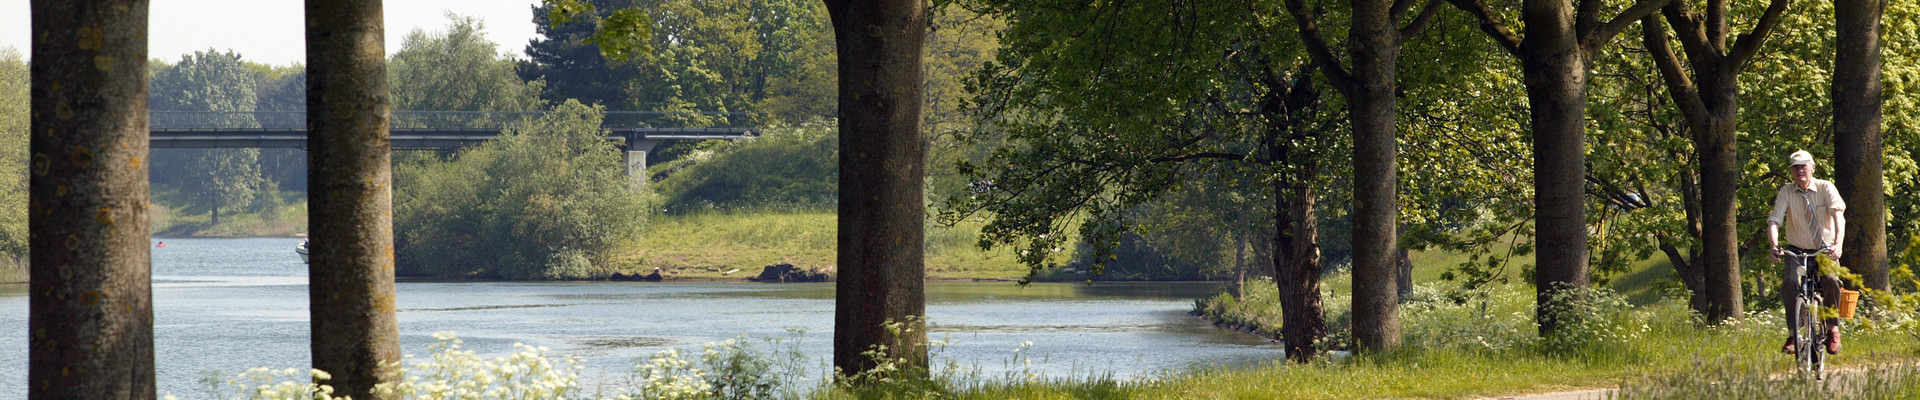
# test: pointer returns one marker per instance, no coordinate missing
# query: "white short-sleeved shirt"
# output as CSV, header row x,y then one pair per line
x,y
1790,211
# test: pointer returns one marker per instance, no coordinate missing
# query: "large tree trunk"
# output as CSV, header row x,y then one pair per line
x,y
1555,70
882,162
1857,139
1374,47
91,313
355,335
1718,153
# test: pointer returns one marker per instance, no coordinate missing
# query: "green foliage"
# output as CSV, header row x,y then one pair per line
x,y
784,168
458,70
13,156
547,200
213,179
1641,156
228,178
1094,114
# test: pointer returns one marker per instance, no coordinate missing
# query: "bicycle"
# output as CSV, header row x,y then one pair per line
x,y
1810,350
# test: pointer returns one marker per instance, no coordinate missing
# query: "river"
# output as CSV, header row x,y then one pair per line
x,y
231,304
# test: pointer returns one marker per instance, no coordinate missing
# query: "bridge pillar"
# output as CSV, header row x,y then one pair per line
x,y
635,156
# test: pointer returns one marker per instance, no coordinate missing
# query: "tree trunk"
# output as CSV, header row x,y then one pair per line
x,y
215,220
91,311
882,162
1707,94
1555,70
1296,269
1857,140
1239,267
1374,47
1715,147
355,336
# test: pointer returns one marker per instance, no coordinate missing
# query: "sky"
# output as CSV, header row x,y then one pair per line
x,y
272,31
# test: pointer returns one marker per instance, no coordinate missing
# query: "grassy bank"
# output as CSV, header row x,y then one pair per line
x,y
289,218
13,270
709,245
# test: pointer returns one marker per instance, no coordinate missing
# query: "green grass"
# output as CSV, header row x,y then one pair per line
x,y
706,245
289,219
1489,349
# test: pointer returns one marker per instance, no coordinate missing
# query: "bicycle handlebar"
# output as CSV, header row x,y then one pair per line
x,y
1791,253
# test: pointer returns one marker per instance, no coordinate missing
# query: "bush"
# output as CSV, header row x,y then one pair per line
x,y
547,200
783,168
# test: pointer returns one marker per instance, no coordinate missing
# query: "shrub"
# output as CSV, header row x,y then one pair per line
x,y
547,200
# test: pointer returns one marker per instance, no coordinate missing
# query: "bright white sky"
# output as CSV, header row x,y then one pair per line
x,y
271,31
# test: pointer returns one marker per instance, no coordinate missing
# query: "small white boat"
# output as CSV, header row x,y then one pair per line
x,y
301,249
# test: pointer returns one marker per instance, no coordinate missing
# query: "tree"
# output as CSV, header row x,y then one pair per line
x,y
1109,112
571,65
13,156
225,178
1554,58
1857,140
881,236
458,70
223,84
1373,44
355,334
1707,94
91,317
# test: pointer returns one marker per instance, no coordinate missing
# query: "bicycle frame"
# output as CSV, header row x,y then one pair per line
x,y
1808,350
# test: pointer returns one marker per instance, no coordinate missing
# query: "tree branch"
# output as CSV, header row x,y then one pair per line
x,y
1421,21
1491,25
1747,45
1693,36
1317,47
1679,86
1592,40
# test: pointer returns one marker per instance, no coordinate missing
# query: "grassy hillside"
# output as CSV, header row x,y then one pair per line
x,y
707,245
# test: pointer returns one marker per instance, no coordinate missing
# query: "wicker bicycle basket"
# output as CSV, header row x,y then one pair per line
x,y
1849,300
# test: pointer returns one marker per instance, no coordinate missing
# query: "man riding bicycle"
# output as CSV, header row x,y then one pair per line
x,y
1812,213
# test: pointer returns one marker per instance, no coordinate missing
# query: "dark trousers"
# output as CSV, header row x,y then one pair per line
x,y
1829,289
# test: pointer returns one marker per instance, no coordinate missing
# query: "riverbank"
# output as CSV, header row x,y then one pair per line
x,y
734,246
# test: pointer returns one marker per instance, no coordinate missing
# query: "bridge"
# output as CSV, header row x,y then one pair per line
x,y
634,132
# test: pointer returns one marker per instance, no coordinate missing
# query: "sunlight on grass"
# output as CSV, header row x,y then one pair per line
x,y
705,245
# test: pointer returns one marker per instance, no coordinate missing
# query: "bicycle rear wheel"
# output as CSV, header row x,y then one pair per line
x,y
1813,339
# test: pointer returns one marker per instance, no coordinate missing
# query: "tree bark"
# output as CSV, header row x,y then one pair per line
x,y
882,170
1718,153
1555,71
91,312
1296,268
1374,47
1296,235
1857,138
355,334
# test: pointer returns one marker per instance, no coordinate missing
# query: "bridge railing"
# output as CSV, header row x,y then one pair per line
x,y
446,120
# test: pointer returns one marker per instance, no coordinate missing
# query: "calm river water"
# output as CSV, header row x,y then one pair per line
x,y
232,304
